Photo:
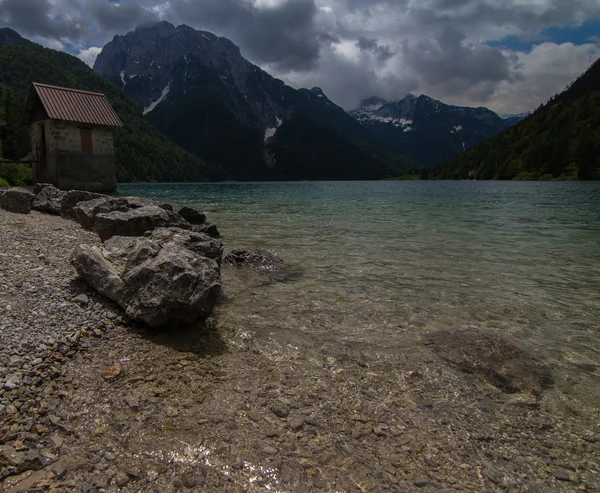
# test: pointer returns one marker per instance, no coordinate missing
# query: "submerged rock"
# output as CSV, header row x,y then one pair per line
x,y
48,198
170,276
260,260
493,356
17,200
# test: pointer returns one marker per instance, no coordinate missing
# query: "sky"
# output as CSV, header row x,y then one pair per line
x,y
508,55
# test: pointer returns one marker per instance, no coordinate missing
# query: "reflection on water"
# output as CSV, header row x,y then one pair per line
x,y
383,262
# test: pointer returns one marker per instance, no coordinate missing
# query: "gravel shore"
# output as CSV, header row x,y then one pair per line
x,y
91,402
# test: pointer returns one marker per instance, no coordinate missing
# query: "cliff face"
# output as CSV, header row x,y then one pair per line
x,y
200,91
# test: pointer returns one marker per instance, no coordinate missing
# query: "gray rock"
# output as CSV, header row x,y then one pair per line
x,y
135,222
48,198
170,276
421,482
280,409
207,228
17,200
133,402
38,187
73,197
192,216
14,381
82,299
199,243
137,202
85,212
121,478
261,260
10,456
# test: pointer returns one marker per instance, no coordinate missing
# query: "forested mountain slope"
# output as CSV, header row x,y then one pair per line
x,y
561,140
142,153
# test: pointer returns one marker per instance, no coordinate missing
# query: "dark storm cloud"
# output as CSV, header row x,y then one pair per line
x,y
381,53
370,6
452,66
119,17
284,34
38,18
469,14
351,48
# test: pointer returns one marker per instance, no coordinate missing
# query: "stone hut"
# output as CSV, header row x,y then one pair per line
x,y
72,138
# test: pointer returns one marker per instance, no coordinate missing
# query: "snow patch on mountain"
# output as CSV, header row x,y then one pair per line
x,y
154,104
270,132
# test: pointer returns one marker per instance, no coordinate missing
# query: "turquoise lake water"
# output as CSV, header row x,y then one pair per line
x,y
383,262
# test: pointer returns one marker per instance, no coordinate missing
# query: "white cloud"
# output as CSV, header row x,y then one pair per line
x,y
89,56
55,44
546,70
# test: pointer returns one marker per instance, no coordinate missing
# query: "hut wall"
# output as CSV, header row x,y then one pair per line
x,y
66,165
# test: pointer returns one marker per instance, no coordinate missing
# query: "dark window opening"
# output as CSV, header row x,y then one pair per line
x,y
86,139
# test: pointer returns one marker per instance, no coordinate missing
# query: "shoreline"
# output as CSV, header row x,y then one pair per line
x,y
201,411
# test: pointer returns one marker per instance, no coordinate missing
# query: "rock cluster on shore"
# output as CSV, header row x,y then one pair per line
x,y
158,265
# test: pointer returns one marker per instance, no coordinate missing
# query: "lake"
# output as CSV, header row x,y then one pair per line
x,y
377,264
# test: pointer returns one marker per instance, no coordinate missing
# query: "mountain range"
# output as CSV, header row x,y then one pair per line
x,y
428,130
199,91
221,117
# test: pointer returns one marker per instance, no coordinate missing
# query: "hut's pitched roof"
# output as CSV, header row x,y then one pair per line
x,y
72,105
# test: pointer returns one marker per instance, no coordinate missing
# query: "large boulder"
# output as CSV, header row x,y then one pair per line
x,y
17,200
168,277
73,197
48,198
257,259
135,222
85,212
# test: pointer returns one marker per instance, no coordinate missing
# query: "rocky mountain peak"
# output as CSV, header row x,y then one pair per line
x,y
198,90
143,61
10,37
426,129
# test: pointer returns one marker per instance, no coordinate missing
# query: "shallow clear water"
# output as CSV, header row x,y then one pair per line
x,y
383,262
